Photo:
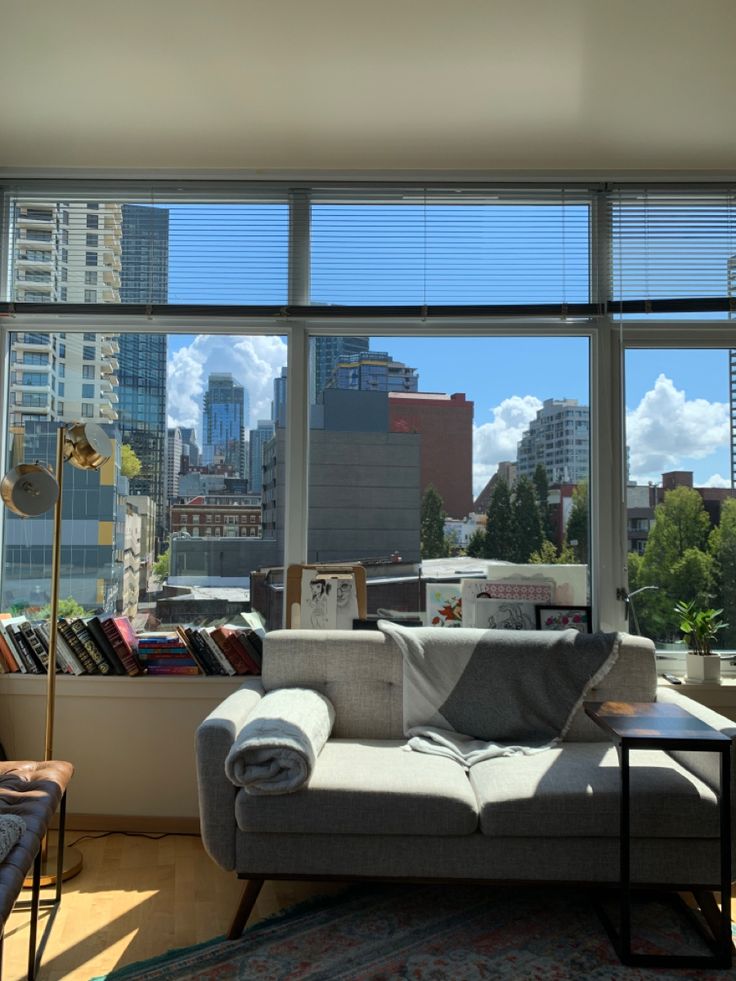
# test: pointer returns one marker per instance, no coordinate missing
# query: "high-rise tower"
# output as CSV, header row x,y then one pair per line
x,y
223,423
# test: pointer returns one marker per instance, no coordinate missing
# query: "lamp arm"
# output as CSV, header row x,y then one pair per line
x,y
54,612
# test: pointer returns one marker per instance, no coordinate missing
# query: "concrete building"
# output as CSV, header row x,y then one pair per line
x,y
506,471
173,463
372,371
278,408
445,423
146,511
559,439
364,484
224,420
130,587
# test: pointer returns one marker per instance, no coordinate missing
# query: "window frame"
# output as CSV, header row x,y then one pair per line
x,y
608,339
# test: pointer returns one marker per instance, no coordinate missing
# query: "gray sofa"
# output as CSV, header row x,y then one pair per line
x,y
374,810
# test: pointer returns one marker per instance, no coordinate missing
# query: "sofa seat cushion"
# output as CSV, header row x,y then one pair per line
x,y
371,787
574,791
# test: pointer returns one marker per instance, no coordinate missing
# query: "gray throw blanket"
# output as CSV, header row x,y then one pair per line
x,y
12,828
275,751
472,694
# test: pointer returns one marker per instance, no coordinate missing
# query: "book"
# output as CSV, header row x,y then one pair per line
x,y
254,645
204,655
251,653
94,626
65,658
79,627
224,636
120,634
159,670
85,658
12,629
5,651
205,634
40,653
194,654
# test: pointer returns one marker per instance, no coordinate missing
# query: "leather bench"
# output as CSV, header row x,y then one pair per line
x,y
33,791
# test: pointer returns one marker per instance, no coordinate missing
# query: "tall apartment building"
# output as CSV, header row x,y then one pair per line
x,y
173,462
258,439
224,418
142,376
559,439
325,353
372,371
278,407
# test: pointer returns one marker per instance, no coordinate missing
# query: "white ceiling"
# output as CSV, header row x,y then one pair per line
x,y
369,85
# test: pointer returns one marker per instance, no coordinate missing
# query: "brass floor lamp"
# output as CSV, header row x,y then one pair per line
x,y
30,489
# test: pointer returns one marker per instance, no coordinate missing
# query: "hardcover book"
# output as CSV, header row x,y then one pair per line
x,y
120,634
100,638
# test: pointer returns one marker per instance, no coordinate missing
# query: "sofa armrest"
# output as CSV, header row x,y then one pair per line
x,y
706,766
216,794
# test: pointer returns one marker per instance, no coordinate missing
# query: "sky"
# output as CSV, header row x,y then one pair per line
x,y
676,400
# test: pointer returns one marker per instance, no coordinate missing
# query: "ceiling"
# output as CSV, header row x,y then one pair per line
x,y
369,86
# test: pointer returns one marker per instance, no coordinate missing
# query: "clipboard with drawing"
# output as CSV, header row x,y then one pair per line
x,y
325,596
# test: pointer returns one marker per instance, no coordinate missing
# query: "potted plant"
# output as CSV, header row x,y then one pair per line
x,y
699,629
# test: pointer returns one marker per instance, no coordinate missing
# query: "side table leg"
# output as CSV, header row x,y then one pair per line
x,y
724,941
625,858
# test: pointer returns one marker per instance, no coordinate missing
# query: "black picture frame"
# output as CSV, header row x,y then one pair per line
x,y
545,613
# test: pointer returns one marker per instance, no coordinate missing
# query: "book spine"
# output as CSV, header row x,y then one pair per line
x,y
7,654
65,650
22,647
251,658
103,645
223,661
119,645
84,658
85,639
233,652
39,651
62,663
192,652
159,670
203,652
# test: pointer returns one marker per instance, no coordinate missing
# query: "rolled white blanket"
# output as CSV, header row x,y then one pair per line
x,y
277,748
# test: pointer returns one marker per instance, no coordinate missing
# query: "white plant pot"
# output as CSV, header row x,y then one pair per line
x,y
704,669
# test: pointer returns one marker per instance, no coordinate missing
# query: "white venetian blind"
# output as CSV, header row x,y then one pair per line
x,y
165,243
393,246
673,244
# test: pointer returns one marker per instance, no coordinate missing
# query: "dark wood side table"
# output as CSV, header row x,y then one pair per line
x,y
661,725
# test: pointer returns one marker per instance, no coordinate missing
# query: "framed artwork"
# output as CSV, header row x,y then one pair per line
x,y
444,604
503,614
564,618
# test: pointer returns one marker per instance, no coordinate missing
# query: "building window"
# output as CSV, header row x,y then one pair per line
x,y
87,410
88,353
90,277
90,258
88,371
91,241
90,296
93,221
61,388
88,391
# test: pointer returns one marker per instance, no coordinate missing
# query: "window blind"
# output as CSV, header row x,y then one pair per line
x,y
673,251
450,247
156,244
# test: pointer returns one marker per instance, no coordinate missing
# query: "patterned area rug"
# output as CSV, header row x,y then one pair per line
x,y
432,933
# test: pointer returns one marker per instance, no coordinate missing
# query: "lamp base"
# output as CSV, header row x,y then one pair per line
x,y
73,861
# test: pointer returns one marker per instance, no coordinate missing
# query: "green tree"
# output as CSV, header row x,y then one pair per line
x,y
545,555
576,533
66,608
161,565
499,538
432,525
528,535
130,465
541,489
476,544
722,546
675,561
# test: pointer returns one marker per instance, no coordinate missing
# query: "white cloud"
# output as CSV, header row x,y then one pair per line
x,y
496,440
666,429
715,480
254,361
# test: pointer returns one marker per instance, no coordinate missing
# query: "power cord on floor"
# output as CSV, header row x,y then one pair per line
x,y
132,834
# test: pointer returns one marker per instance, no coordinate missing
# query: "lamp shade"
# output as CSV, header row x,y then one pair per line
x,y
29,489
86,446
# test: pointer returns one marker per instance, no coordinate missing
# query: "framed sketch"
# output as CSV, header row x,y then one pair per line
x,y
564,618
504,614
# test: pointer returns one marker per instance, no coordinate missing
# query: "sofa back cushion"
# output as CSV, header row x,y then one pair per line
x,y
361,673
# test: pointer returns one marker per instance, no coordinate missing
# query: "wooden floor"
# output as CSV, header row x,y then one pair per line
x,y
136,898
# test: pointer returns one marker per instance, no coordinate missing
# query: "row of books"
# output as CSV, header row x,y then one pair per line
x,y
108,645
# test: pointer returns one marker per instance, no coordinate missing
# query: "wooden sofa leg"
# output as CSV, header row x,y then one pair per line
x,y
247,902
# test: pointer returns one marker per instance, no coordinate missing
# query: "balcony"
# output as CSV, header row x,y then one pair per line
x,y
108,413
32,342
109,346
112,242
111,278
109,365
109,295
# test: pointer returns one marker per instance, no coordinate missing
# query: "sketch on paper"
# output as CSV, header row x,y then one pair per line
x,y
501,614
318,602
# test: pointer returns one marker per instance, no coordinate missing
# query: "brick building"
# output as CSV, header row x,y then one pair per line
x,y
445,423
220,516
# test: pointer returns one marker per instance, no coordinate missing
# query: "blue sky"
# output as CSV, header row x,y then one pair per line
x,y
676,401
